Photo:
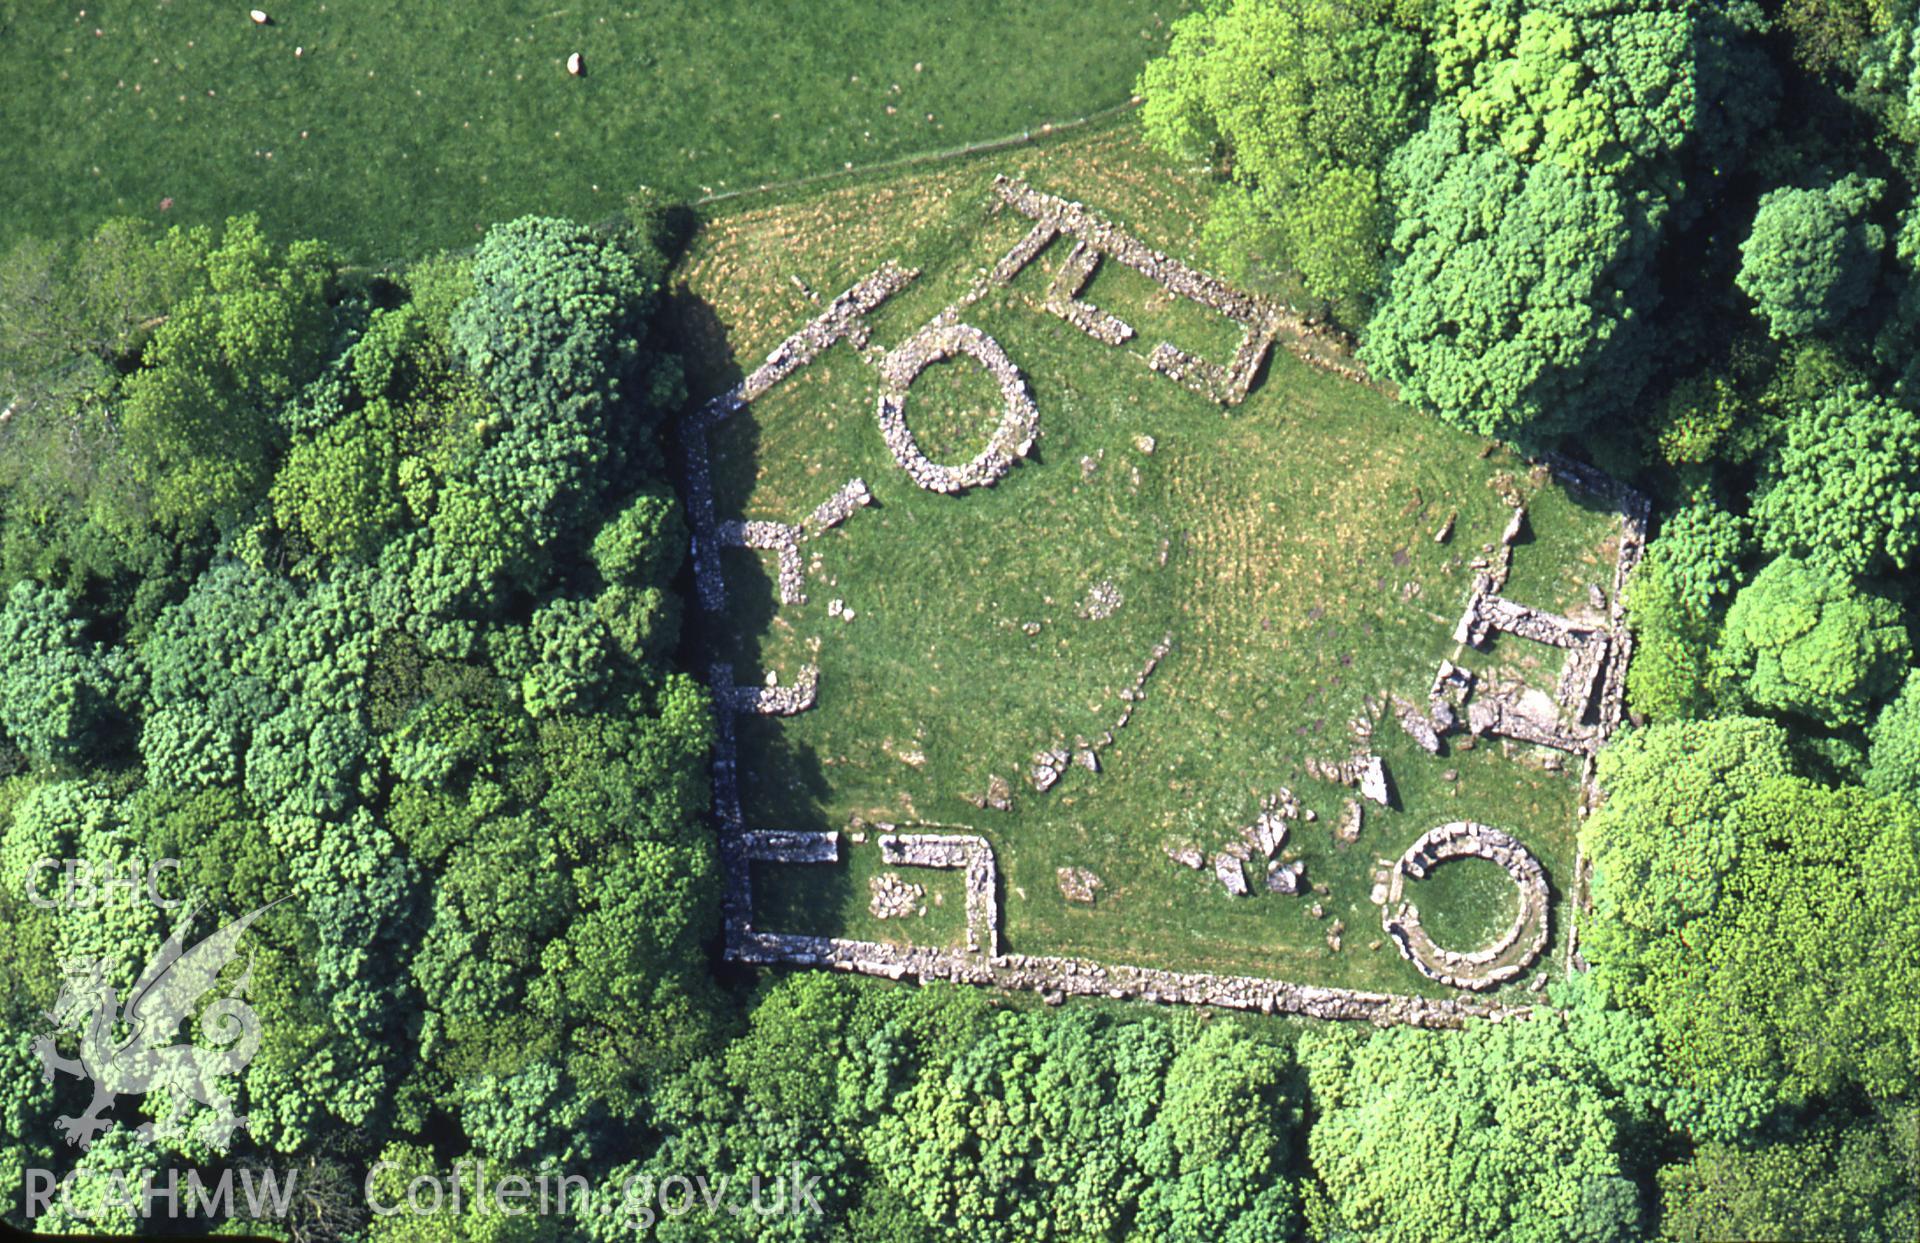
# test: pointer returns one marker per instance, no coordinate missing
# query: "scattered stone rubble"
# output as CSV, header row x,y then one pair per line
x,y
1419,726
1448,694
1364,771
1050,763
1287,877
1187,855
999,795
1347,828
837,508
1048,766
1491,965
1077,884
890,897
1231,872
1268,832
1103,601
1013,438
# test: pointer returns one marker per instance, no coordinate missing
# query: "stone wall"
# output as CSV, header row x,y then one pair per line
x,y
1055,978
1591,687
1012,439
837,508
843,319
1095,238
954,850
790,846
778,537
769,700
1063,298
1490,965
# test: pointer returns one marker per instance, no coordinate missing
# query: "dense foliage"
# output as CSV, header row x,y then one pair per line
x,y
1302,103
373,667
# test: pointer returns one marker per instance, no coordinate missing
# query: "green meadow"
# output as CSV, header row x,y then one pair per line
x,y
394,128
1284,547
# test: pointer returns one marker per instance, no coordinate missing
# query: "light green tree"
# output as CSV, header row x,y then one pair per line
x,y
1301,101
1507,1133
1893,765
1802,639
199,413
1844,489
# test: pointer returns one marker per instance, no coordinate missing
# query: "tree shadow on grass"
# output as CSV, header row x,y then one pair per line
x,y
783,785
696,332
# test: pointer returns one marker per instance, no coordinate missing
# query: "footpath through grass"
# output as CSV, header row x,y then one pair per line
x,y
1286,546
389,129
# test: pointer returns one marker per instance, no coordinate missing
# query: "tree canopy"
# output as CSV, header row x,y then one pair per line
x,y
1302,101
1802,639
1812,255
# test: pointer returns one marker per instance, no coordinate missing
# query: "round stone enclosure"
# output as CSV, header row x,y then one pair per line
x,y
1509,954
1012,438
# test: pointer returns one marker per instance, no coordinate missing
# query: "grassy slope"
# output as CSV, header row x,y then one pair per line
x,y
1294,526
423,122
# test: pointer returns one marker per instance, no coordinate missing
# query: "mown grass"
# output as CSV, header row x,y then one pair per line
x,y
1285,547
398,128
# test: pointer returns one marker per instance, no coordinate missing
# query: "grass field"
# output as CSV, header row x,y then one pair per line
x,y
1285,546
393,128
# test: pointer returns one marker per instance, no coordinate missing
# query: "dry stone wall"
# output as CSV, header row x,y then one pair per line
x,y
837,508
790,846
777,537
1096,238
1491,965
1012,439
1590,689
842,320
769,700
1063,298
1055,978
929,850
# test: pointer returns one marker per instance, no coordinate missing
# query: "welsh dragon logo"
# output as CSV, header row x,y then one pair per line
x,y
128,1050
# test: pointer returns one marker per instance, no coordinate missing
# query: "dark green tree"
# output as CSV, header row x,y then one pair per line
x,y
1812,255
1845,488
